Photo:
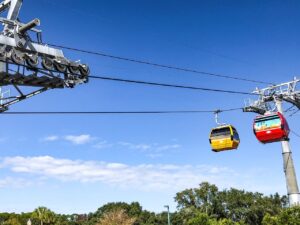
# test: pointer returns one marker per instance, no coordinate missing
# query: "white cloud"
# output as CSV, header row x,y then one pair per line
x,y
143,176
167,147
151,150
10,182
142,147
102,145
74,139
51,138
79,140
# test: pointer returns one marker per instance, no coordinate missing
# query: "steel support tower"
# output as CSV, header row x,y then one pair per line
x,y
271,99
26,62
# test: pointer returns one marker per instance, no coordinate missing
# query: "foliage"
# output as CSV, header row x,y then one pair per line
x,y
134,209
44,215
289,216
236,205
116,217
200,218
270,220
12,221
204,205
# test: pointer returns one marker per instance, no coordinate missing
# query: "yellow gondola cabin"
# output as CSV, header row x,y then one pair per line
x,y
224,138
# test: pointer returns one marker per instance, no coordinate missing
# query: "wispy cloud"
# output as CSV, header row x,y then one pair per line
x,y
74,139
162,148
10,182
103,145
79,140
50,138
141,147
143,176
152,150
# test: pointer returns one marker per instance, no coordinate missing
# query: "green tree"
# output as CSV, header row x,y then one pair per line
x,y
134,209
226,222
4,217
44,215
12,221
270,220
203,198
116,217
233,204
290,216
199,219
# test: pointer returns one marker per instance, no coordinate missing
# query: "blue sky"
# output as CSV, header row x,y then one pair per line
x,y
78,163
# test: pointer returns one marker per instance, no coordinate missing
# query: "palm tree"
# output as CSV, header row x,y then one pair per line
x,y
116,217
44,215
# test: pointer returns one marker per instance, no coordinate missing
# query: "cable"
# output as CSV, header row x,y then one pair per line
x,y
294,113
116,112
171,85
296,134
289,109
157,64
145,82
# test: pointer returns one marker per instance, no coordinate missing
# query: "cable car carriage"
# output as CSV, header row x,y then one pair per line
x,y
223,137
271,128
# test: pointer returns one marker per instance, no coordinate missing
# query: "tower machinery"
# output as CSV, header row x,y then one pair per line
x,y
26,62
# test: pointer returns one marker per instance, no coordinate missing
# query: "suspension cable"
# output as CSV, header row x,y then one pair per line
x,y
142,82
157,64
115,112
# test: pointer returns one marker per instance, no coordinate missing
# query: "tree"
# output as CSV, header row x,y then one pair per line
x,y
200,218
202,198
4,217
204,219
290,216
44,215
12,221
116,217
270,220
133,210
205,199
226,222
233,204
205,204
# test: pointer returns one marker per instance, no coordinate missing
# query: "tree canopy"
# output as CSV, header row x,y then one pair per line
x,y
203,205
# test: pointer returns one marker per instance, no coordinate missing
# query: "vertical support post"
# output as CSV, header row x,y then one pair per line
x,y
2,69
169,219
13,13
289,169
14,9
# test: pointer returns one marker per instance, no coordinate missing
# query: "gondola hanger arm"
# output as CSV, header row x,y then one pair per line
x,y
217,112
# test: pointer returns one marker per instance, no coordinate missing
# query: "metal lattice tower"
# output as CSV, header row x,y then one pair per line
x,y
274,96
28,63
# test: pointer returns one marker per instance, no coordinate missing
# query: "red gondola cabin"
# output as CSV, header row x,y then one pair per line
x,y
271,128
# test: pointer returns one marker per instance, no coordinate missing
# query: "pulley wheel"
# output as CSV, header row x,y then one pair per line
x,y
16,58
32,62
60,66
73,69
84,70
47,63
2,54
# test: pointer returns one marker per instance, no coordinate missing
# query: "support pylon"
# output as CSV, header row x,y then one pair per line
x,y
290,93
288,166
